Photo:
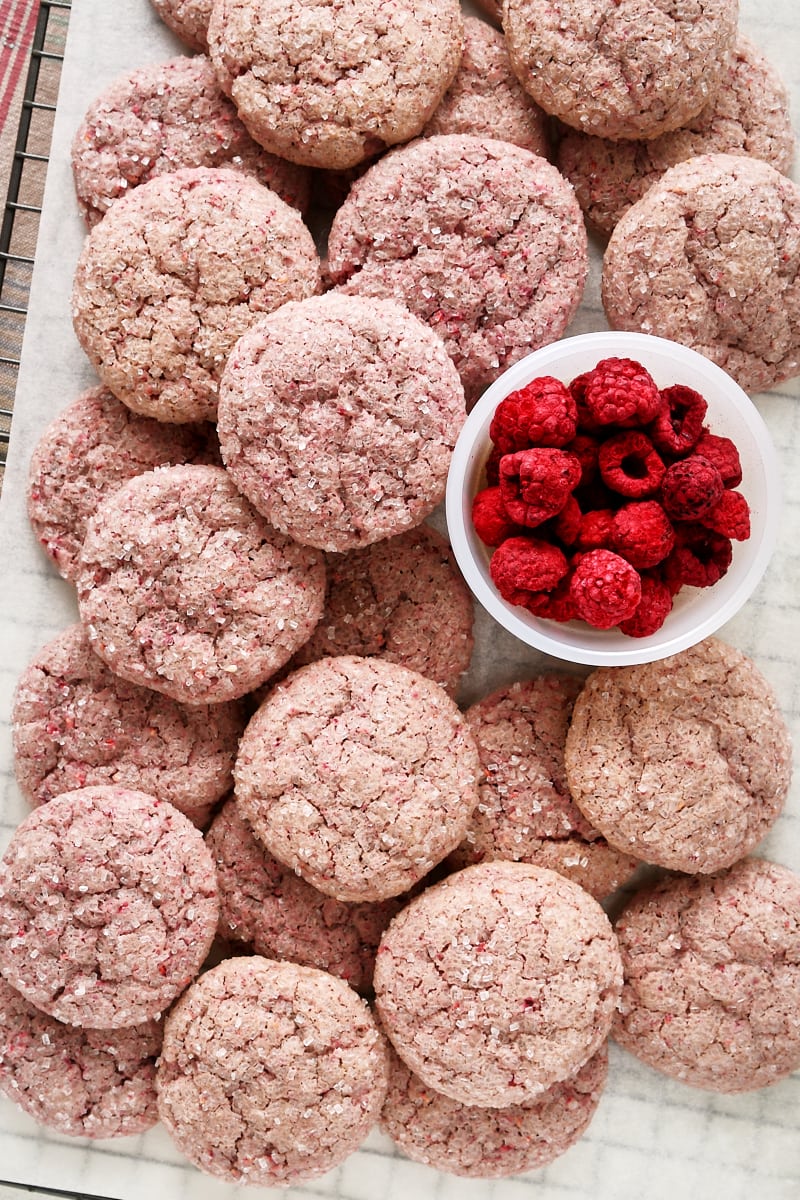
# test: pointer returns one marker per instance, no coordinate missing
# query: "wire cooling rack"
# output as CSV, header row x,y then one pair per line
x,y
23,205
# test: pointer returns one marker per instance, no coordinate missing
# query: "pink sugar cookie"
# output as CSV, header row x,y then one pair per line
x,y
95,1083
712,977
270,1073
108,906
498,982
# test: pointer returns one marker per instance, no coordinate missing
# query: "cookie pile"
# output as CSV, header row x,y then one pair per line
x,y
270,643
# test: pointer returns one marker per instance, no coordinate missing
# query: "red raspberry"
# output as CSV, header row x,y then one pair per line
x,y
535,484
492,468
567,523
556,605
492,523
642,533
522,565
690,488
542,413
730,516
586,422
605,588
700,557
585,449
619,391
652,610
595,530
677,427
722,452
630,465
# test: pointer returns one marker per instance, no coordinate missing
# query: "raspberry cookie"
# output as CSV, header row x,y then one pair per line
x,y
525,812
483,240
708,257
359,774
174,274
108,906
337,418
88,451
161,118
187,18
402,599
272,909
76,724
271,1073
620,68
489,1143
748,115
327,86
712,977
95,1083
185,589
498,982
685,762
486,98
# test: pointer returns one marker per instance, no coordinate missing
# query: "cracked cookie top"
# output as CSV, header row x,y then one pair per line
x,y
338,417
710,257
359,774
108,906
161,118
330,85
621,68
498,982
712,977
685,762
270,1073
184,588
174,273
484,241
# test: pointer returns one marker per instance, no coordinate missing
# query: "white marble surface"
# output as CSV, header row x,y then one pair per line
x,y
651,1137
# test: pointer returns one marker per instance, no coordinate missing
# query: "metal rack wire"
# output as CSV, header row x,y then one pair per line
x,y
23,205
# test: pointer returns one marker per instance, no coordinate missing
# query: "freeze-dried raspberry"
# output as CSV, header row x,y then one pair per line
x,y
722,452
566,524
523,564
730,516
619,391
678,426
595,530
586,450
652,610
543,413
700,557
642,533
630,465
690,488
492,468
605,588
535,484
556,605
492,523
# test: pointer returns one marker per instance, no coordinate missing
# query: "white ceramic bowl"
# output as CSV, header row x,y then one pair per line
x,y
697,612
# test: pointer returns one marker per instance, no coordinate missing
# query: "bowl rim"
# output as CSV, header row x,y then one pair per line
x,y
557,639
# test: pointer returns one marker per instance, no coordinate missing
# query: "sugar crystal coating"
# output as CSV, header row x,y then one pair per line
x,y
174,273
498,982
184,588
328,86
490,1143
684,762
96,1083
76,723
359,774
108,905
712,977
270,1073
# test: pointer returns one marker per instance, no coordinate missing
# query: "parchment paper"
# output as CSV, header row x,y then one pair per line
x,y
651,1137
